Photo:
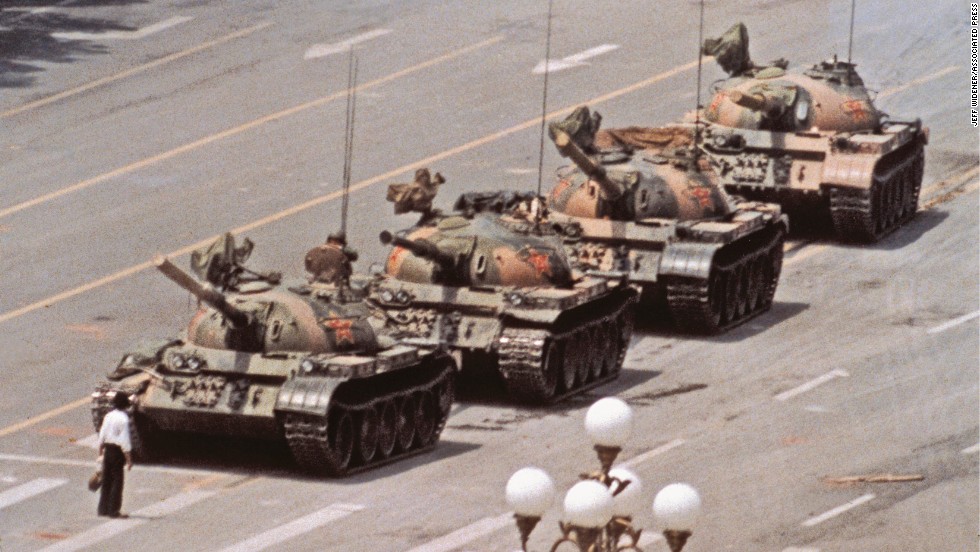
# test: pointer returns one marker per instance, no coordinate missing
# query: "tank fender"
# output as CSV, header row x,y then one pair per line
x,y
307,395
686,259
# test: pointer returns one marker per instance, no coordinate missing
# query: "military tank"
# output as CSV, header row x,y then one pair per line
x,y
811,140
501,294
309,363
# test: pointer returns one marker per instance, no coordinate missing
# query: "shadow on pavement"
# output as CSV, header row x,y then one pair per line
x,y
27,41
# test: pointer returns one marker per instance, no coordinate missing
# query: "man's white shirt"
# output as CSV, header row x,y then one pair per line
x,y
115,430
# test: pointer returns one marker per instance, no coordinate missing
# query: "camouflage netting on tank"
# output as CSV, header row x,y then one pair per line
x,y
581,126
652,139
731,50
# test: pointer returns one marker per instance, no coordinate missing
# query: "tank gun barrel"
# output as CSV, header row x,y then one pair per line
x,y
206,293
568,148
421,248
755,102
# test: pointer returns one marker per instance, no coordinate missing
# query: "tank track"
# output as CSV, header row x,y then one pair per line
x,y
543,366
741,285
867,215
369,425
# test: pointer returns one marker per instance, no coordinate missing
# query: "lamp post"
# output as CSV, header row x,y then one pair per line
x,y
598,511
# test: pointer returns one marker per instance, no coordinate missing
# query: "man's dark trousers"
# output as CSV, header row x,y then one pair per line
x,y
110,501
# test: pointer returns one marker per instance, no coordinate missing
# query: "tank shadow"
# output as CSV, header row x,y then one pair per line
x,y
492,393
661,325
27,40
271,459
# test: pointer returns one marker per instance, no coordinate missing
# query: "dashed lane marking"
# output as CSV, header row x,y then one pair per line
x,y
574,60
951,182
323,50
466,534
838,510
636,460
133,71
149,161
812,384
922,80
124,35
954,322
295,528
795,549
106,531
29,489
971,450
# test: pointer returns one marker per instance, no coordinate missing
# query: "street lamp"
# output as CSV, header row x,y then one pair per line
x,y
598,511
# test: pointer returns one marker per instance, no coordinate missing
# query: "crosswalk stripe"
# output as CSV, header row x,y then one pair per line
x,y
467,534
112,528
29,489
294,528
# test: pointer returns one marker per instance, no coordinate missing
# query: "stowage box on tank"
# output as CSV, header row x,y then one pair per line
x,y
310,364
502,295
812,140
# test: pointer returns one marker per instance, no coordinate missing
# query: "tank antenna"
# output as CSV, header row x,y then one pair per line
x,y
850,43
544,112
348,137
697,102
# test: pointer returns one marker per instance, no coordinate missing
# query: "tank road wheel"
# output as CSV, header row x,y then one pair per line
x,y
340,435
426,415
405,423
387,428
610,350
572,351
367,435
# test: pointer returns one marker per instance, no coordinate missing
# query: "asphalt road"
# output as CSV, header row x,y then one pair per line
x,y
129,128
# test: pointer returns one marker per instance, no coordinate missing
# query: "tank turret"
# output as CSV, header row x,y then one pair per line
x,y
615,184
477,251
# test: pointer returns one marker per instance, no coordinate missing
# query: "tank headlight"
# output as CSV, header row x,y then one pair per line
x,y
179,360
515,299
402,296
194,363
387,296
307,366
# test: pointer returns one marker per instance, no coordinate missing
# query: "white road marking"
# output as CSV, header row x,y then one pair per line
x,y
467,534
29,489
817,409
954,322
574,60
786,395
971,450
795,549
323,50
916,82
125,35
92,441
112,528
91,464
838,510
295,528
651,453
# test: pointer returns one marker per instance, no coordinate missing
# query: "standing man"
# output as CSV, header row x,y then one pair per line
x,y
114,447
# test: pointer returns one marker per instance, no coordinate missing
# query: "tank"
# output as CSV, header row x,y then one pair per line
x,y
813,141
308,363
502,295
639,204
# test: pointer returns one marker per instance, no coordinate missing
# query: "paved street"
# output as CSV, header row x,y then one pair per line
x,y
130,128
